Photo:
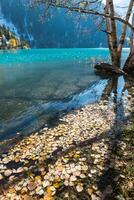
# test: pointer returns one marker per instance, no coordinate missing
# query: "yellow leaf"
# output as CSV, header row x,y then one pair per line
x,y
76,156
56,185
90,191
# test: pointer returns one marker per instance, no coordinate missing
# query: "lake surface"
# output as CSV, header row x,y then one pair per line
x,y
37,85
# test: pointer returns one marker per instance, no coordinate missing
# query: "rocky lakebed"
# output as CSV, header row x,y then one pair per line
x,y
73,160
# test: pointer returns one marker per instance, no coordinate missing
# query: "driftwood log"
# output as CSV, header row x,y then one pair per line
x,y
108,69
129,65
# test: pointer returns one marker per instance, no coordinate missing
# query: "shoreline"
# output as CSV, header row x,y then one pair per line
x,y
74,154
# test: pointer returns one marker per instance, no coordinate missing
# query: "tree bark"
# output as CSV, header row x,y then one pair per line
x,y
132,36
129,64
107,69
108,30
123,34
112,38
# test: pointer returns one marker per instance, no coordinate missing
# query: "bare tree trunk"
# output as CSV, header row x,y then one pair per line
x,y
114,50
129,64
108,31
132,36
123,34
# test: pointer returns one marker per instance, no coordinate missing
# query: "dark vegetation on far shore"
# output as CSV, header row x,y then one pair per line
x,y
8,40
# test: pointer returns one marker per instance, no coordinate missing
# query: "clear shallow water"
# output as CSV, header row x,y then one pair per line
x,y
35,85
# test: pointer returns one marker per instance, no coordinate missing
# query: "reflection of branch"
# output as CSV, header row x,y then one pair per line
x,y
107,32
111,86
107,91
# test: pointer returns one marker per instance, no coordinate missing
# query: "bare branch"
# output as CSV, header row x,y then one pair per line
x,y
52,3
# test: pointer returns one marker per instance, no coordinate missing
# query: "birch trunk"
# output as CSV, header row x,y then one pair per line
x,y
123,34
115,57
108,31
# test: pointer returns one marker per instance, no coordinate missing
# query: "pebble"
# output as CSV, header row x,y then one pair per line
x,y
46,183
27,197
79,188
8,172
73,178
41,192
1,177
82,176
32,186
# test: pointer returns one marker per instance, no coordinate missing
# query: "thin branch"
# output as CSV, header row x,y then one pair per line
x,y
86,11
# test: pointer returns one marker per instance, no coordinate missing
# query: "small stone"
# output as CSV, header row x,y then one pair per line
x,y
78,168
71,183
122,176
84,167
94,197
9,196
32,186
24,191
1,177
82,176
11,178
41,192
77,173
79,188
12,191
17,188
95,187
90,175
27,197
8,172
73,178
130,184
52,188
46,183
25,184
5,160
66,195
66,183
19,170
48,197
93,171
83,159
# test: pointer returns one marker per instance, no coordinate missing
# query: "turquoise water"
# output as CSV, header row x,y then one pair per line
x,y
37,85
46,55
